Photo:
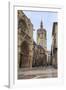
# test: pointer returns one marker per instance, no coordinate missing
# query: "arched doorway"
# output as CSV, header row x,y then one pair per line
x,y
24,55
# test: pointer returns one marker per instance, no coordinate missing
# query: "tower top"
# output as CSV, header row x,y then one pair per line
x,y
41,24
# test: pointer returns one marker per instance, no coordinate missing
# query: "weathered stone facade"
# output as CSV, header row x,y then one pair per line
x,y
39,56
25,40
54,47
29,53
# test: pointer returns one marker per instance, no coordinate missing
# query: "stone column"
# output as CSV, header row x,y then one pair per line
x,y
30,55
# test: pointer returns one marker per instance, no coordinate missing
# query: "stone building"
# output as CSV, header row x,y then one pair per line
x,y
29,53
42,40
40,48
39,55
25,40
54,47
41,36
42,58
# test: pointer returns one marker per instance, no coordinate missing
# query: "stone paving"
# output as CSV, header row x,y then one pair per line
x,y
37,72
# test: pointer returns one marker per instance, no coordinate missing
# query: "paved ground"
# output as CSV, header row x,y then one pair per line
x,y
38,72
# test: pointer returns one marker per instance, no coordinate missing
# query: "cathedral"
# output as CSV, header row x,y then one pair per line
x,y
30,53
25,40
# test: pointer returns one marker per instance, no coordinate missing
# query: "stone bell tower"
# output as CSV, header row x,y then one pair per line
x,y
41,36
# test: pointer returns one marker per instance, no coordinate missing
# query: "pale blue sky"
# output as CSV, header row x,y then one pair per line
x,y
48,18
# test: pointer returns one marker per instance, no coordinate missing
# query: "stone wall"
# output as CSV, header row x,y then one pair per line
x,y
39,56
54,48
25,40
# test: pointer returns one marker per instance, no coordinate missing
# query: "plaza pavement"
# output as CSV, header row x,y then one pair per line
x,y
37,72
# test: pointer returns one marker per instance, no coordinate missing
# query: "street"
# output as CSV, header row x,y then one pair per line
x,y
37,72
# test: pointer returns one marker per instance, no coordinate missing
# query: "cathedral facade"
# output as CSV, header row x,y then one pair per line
x,y
30,53
25,40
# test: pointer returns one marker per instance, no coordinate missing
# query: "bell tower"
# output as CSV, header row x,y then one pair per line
x,y
41,36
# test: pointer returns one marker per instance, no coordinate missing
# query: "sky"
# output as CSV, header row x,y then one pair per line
x,y
48,18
